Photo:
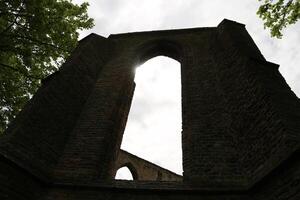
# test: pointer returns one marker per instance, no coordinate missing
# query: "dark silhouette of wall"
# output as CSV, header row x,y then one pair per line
x,y
240,122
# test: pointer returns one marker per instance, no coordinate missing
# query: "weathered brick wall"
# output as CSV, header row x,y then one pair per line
x,y
90,152
264,113
282,183
37,137
130,194
17,184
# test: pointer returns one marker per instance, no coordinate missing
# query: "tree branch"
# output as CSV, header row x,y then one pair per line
x,y
8,27
20,72
34,41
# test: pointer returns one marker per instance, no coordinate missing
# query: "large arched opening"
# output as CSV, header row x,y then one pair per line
x,y
153,129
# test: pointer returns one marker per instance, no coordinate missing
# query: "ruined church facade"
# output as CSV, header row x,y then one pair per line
x,y
240,122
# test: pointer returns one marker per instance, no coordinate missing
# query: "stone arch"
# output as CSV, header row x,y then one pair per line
x,y
135,55
158,47
131,168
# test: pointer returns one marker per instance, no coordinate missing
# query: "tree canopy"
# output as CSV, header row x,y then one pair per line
x,y
279,14
36,36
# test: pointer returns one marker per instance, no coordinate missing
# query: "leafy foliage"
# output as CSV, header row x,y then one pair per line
x,y
278,14
36,36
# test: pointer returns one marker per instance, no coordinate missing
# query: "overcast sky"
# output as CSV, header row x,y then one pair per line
x,y
154,126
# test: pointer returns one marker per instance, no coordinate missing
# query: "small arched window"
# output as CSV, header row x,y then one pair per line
x,y
124,174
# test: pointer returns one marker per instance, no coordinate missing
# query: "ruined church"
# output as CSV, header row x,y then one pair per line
x,y
240,123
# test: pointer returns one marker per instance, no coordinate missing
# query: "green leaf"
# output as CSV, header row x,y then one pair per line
x,y
277,15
